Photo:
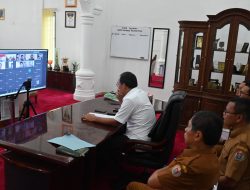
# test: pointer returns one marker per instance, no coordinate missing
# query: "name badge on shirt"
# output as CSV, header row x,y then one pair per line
x,y
176,170
239,156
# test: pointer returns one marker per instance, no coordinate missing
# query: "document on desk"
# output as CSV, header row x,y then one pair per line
x,y
71,142
103,115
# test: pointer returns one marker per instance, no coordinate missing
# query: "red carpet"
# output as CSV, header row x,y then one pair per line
x,y
49,99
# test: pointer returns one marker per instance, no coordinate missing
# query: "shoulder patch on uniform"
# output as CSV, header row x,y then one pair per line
x,y
176,170
239,155
242,147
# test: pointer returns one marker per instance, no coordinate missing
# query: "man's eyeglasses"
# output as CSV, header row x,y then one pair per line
x,y
227,112
243,93
118,84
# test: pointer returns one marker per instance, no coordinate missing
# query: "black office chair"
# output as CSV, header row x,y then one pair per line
x,y
154,154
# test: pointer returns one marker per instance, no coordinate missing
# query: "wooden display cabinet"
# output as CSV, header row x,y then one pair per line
x,y
61,80
212,59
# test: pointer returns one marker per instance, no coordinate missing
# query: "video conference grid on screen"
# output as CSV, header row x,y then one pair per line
x,y
16,66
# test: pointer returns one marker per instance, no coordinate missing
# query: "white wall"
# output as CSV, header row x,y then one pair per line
x,y
157,13
22,29
22,25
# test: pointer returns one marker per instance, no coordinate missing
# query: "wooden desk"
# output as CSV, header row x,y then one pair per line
x,y
32,162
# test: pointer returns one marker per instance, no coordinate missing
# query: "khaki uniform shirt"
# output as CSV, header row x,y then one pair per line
x,y
235,159
192,170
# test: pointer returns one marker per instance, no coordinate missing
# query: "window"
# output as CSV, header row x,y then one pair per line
x,y
49,32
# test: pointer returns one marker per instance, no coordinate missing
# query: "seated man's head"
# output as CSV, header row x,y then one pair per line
x,y
126,82
244,89
245,92
237,112
204,128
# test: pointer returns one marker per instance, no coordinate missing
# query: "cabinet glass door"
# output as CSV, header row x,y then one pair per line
x,y
241,57
219,53
179,56
195,61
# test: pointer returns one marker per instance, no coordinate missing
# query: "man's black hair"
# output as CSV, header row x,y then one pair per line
x,y
242,106
129,79
210,125
247,82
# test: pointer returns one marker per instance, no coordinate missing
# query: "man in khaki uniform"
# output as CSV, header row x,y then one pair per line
x,y
197,168
235,158
243,91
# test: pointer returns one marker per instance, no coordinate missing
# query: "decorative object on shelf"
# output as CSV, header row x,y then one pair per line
x,y
197,61
245,70
221,46
65,64
50,63
70,3
235,69
221,66
191,82
232,89
244,47
242,68
199,40
215,44
70,19
236,86
213,84
56,66
2,14
74,66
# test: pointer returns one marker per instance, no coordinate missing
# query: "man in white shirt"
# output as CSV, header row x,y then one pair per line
x,y
136,110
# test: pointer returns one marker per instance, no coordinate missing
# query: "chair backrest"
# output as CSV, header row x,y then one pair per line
x,y
166,126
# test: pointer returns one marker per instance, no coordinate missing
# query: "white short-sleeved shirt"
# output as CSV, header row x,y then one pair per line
x,y
139,114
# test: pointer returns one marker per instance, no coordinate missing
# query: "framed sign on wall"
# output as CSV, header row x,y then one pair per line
x,y
70,19
70,3
2,14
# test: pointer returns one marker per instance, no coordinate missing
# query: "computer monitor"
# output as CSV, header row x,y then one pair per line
x,y
20,65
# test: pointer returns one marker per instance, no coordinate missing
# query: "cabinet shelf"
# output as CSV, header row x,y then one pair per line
x,y
216,63
239,74
242,52
219,50
61,80
217,71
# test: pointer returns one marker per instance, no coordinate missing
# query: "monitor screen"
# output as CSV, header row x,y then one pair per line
x,y
20,65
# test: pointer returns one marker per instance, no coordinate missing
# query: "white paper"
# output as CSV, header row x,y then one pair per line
x,y
71,142
103,115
